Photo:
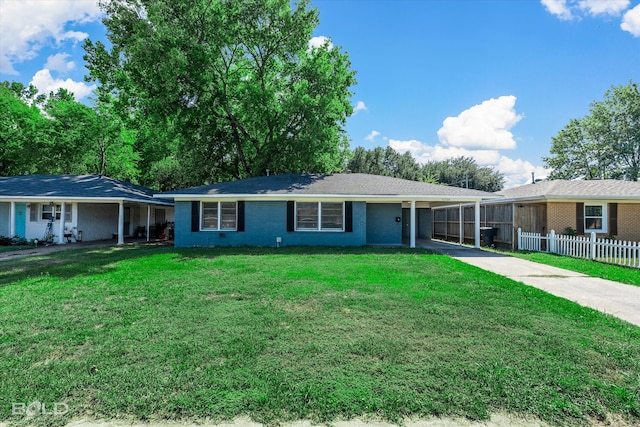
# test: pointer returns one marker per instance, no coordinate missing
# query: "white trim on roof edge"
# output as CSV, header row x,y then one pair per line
x,y
351,197
84,199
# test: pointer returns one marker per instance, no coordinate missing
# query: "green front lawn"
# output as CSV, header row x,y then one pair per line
x,y
284,334
13,248
617,273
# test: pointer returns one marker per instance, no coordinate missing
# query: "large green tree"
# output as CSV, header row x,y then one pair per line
x,y
56,134
457,172
605,144
464,172
21,129
226,88
386,162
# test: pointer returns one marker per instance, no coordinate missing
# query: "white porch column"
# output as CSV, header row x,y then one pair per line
x,y
412,236
61,231
121,223
12,220
148,220
477,224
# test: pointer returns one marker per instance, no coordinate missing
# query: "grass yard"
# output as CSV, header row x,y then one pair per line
x,y
13,248
284,334
613,272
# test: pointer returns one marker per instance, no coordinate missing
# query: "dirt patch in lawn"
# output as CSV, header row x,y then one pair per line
x,y
497,420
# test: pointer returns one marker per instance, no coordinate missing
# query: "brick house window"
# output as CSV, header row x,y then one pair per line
x,y
595,218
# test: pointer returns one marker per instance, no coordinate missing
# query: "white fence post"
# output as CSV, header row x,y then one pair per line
x,y
552,242
519,238
592,246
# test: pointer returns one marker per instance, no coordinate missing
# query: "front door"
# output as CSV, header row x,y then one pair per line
x,y
406,224
21,219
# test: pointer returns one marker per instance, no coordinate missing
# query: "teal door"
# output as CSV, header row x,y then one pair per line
x,y
21,219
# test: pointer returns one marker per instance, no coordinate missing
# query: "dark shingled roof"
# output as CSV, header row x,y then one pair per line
x,y
560,188
73,186
355,184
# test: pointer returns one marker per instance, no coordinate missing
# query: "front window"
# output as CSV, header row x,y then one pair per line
x,y
47,211
323,216
594,218
307,216
332,215
218,216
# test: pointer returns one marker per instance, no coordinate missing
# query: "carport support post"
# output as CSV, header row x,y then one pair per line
x,y
62,214
460,226
148,220
412,236
121,223
477,225
12,220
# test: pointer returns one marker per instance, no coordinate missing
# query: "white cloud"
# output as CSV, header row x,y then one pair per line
x,y
604,7
424,152
28,25
631,21
566,10
558,8
420,151
372,136
46,83
516,172
58,62
360,106
483,126
319,41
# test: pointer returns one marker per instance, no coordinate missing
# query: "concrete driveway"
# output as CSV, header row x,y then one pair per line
x,y
617,299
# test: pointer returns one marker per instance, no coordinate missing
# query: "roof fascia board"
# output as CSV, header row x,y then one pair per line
x,y
351,197
573,198
83,199
570,198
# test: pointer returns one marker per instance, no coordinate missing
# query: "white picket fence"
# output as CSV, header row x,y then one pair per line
x,y
591,247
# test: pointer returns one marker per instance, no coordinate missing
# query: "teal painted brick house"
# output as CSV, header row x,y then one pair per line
x,y
311,209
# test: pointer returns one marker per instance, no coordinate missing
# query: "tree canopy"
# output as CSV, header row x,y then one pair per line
x,y
386,162
457,172
605,144
56,134
21,128
225,89
464,172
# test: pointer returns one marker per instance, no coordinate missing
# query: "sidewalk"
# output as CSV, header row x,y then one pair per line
x,y
616,299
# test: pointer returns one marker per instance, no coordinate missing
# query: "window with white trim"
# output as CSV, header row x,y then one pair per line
x,y
49,210
595,218
320,216
218,216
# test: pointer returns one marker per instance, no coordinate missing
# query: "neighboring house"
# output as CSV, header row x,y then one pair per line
x,y
97,207
299,209
606,207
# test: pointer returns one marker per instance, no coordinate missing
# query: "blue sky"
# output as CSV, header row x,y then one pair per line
x,y
495,80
